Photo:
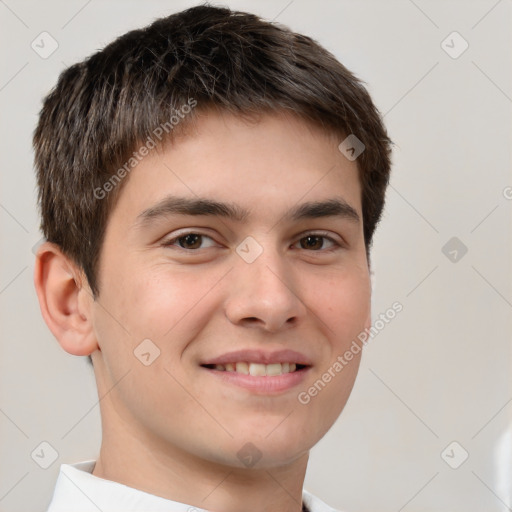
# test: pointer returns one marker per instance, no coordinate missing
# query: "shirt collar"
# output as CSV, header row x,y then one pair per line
x,y
78,489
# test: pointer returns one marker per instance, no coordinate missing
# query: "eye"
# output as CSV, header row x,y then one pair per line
x,y
191,241
188,241
315,242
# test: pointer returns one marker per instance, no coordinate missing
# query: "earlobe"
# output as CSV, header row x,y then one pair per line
x,y
65,308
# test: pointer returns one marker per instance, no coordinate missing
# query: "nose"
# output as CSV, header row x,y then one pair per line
x,y
264,294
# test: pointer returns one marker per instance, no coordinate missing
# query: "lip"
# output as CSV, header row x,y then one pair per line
x,y
263,385
261,357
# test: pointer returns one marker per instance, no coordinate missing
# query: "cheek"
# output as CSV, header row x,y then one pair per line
x,y
147,302
166,304
343,306
343,303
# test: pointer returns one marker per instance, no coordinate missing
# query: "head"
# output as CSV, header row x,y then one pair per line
x,y
220,105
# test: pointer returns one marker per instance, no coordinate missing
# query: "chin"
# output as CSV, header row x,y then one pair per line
x,y
272,449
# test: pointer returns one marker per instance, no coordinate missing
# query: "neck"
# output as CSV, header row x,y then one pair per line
x,y
137,458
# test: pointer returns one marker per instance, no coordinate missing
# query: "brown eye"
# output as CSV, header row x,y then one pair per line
x,y
315,242
188,241
312,242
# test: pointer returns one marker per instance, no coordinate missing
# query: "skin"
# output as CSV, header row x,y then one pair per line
x,y
171,428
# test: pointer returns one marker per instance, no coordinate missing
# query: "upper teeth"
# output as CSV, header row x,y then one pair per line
x,y
257,369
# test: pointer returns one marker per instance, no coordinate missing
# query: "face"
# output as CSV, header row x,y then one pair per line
x,y
260,284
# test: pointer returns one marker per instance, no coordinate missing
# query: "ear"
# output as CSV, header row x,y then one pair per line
x,y
65,300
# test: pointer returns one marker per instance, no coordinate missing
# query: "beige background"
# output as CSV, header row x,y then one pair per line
x,y
439,372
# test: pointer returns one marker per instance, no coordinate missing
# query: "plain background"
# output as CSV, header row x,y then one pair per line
x,y
439,372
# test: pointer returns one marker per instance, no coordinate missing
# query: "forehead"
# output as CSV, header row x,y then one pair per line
x,y
226,163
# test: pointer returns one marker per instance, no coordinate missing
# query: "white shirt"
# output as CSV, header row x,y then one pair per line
x,y
78,490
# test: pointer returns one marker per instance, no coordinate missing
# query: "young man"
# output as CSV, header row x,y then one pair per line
x,y
209,188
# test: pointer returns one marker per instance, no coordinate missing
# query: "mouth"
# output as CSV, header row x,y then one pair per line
x,y
260,372
257,369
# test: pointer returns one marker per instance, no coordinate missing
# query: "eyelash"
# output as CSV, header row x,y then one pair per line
x,y
320,234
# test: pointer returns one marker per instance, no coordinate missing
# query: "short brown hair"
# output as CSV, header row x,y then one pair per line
x,y
101,109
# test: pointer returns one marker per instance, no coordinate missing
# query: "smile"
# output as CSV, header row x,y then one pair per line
x,y
260,372
256,369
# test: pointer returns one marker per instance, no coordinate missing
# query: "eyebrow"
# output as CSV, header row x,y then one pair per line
x,y
173,205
